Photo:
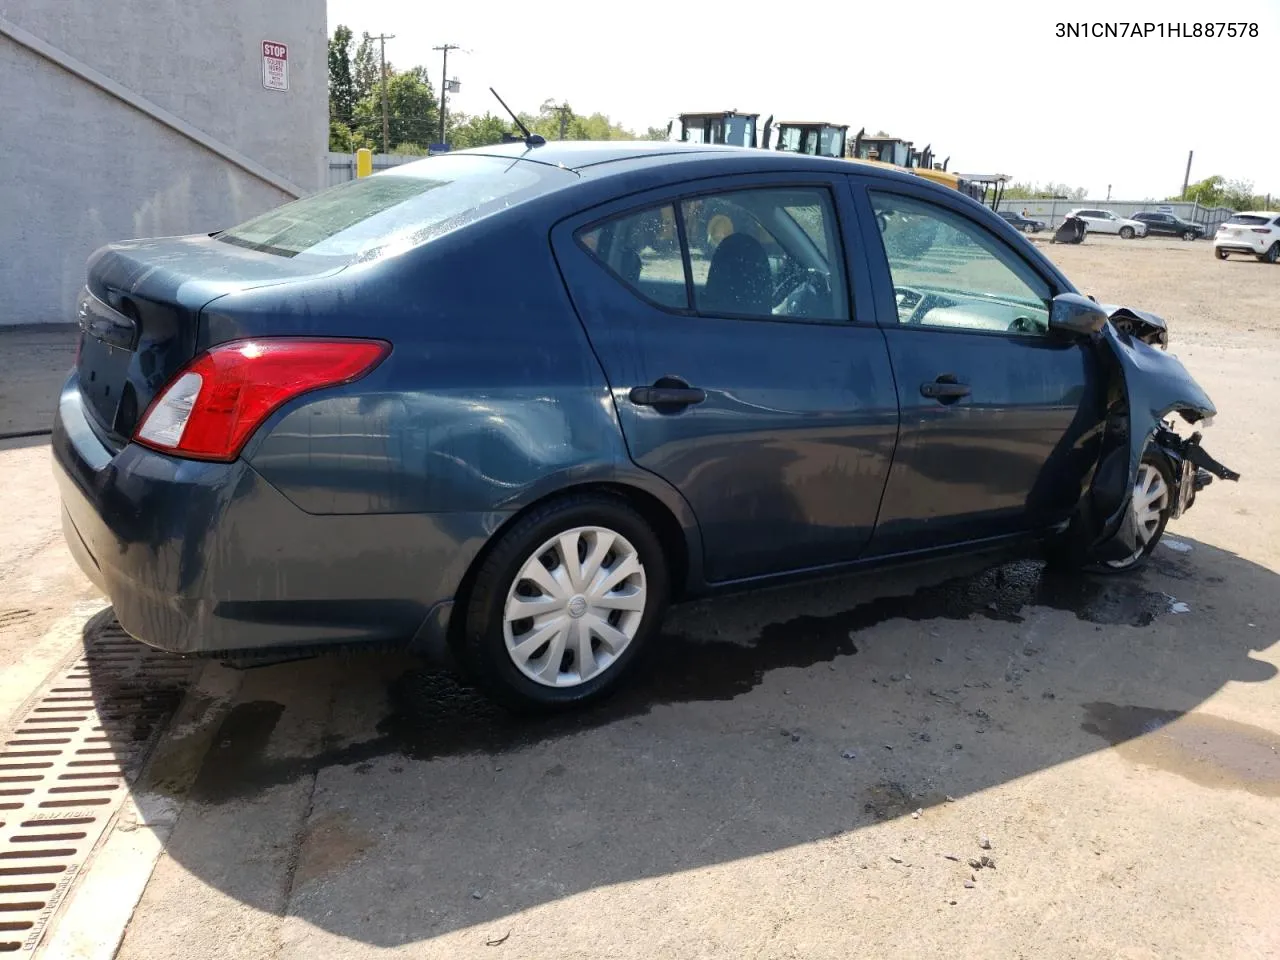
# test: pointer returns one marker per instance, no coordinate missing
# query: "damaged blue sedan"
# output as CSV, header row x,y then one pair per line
x,y
520,398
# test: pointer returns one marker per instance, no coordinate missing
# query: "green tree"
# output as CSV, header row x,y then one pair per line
x,y
655,133
482,131
412,108
365,69
342,87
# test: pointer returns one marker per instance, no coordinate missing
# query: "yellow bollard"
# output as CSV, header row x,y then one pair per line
x,y
364,162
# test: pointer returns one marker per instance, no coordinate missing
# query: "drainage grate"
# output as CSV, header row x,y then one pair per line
x,y
65,766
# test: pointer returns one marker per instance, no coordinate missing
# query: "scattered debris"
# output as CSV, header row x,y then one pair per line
x,y
906,676
951,856
895,859
895,677
498,941
952,902
923,737
888,747
477,895
985,843
795,738
1177,545
975,863
1177,606
915,814
1030,651
958,746
1048,695
849,755
969,884
950,798
988,862
785,732
980,714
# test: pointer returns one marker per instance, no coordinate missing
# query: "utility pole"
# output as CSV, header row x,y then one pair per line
x,y
1108,193
1186,180
444,82
382,39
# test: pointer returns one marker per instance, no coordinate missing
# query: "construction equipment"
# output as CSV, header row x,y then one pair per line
x,y
816,138
982,185
727,126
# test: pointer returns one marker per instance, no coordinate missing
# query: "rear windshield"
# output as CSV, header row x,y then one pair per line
x,y
1248,220
397,209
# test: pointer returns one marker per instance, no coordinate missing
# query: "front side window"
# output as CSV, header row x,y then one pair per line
x,y
397,209
949,272
770,254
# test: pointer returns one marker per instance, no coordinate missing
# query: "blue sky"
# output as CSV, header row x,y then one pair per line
x,y
985,81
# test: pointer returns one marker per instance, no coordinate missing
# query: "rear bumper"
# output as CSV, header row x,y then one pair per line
x,y
1243,243
201,558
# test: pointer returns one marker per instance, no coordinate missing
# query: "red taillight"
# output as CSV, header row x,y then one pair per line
x,y
218,400
1260,229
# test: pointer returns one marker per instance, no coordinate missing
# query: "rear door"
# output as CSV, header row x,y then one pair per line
x,y
996,412
736,328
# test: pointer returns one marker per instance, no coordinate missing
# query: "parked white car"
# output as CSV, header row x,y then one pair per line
x,y
1253,231
1104,221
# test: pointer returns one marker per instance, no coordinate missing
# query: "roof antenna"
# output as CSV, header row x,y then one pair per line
x,y
530,139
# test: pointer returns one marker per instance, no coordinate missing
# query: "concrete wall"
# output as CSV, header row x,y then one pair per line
x,y
80,168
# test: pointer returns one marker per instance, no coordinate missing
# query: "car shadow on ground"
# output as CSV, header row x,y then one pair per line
x,y
396,805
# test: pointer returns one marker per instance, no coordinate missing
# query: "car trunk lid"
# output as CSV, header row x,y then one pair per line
x,y
139,315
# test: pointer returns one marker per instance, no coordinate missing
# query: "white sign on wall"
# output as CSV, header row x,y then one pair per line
x,y
275,65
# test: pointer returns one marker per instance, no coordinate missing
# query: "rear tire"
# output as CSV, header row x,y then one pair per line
x,y
1272,254
1126,233
1221,254
583,629
1028,228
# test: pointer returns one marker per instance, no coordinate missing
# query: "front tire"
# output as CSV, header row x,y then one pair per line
x,y
565,603
1272,254
1153,502
1188,234
1028,227
1126,233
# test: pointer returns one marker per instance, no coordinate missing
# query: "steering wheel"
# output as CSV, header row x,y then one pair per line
x,y
813,289
910,300
1024,325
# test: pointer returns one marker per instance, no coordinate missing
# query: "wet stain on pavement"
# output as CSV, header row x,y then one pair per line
x,y
433,714
329,843
1206,749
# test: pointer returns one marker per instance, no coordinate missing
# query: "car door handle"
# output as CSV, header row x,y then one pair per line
x,y
944,388
662,395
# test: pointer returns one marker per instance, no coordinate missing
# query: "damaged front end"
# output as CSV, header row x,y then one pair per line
x,y
1147,387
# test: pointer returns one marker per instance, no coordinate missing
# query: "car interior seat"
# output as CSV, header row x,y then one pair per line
x,y
739,279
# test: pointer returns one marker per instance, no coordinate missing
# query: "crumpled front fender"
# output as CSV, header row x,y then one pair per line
x,y
1149,386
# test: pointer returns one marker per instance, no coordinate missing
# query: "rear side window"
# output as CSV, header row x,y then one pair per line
x,y
1248,220
643,251
397,209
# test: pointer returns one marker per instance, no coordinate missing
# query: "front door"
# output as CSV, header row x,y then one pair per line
x,y
997,413
746,368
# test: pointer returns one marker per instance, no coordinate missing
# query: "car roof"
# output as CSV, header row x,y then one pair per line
x,y
1255,213
602,158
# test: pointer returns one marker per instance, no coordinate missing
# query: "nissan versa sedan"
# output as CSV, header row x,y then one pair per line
x,y
519,398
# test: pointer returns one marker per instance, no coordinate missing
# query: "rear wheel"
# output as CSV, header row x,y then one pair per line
x,y
1272,254
1028,227
565,603
1126,233
1220,254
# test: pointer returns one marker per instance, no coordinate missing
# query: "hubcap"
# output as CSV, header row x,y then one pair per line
x,y
574,607
1150,501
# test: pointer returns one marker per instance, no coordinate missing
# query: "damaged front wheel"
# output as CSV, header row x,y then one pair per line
x,y
1152,504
